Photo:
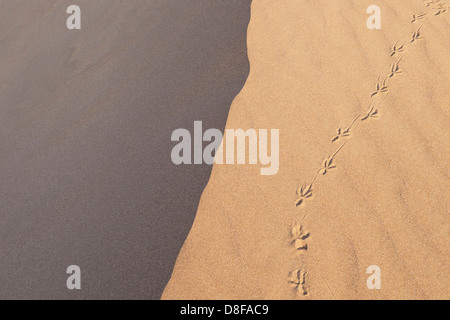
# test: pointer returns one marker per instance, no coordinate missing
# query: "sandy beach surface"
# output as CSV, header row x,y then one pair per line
x,y
314,68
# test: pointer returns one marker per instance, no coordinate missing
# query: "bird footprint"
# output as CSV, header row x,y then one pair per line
x,y
303,193
299,237
430,2
440,9
381,87
344,133
417,17
395,68
373,113
328,164
297,280
417,35
397,49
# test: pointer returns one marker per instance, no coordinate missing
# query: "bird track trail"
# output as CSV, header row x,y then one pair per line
x,y
297,279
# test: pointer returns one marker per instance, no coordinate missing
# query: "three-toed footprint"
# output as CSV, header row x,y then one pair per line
x,y
297,279
299,236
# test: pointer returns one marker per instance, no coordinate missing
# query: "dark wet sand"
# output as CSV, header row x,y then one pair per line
x,y
85,124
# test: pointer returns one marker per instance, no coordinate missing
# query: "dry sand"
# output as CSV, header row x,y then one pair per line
x,y
313,67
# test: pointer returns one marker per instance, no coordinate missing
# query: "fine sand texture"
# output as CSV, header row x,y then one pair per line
x,y
86,118
364,160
